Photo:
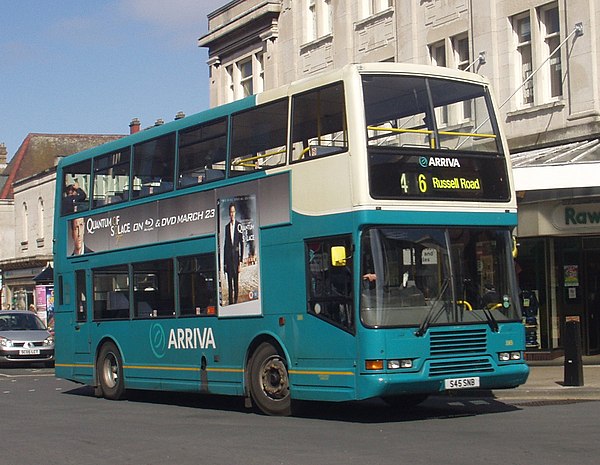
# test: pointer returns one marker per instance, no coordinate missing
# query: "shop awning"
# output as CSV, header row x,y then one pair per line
x,y
566,166
46,276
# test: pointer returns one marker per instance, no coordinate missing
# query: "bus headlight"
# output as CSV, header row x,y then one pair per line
x,y
397,364
508,356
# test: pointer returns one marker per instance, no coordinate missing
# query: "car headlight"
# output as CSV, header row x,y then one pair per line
x,y
49,341
5,342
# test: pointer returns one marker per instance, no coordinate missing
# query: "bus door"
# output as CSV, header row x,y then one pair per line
x,y
329,344
81,325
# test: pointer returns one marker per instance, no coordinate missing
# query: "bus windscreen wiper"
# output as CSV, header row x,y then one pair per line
x,y
432,314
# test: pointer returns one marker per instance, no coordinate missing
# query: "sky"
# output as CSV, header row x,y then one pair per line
x,y
90,67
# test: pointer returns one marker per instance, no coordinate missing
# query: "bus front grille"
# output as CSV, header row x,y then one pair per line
x,y
459,367
456,343
458,352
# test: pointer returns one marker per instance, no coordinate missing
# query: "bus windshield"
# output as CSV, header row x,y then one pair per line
x,y
419,112
422,277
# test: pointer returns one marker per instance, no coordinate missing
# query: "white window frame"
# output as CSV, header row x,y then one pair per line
x,y
524,59
40,218
437,55
237,84
462,60
549,40
318,19
25,229
372,7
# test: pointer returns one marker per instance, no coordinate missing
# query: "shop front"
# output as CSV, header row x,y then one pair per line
x,y
558,193
559,270
18,285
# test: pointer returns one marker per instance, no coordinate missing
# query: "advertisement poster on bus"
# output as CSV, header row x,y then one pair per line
x,y
239,277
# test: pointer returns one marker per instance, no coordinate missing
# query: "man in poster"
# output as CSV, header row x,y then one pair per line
x,y
233,253
77,234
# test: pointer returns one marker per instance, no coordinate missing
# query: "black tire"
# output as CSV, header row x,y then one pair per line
x,y
109,372
407,401
269,381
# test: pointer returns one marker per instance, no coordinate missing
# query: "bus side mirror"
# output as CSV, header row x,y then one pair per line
x,y
338,255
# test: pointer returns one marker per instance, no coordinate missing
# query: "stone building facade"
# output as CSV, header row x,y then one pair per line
x,y
542,58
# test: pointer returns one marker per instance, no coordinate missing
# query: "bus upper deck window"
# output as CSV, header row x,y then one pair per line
x,y
153,166
259,138
319,123
202,153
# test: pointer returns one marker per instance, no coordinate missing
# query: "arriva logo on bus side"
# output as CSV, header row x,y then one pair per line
x,y
426,162
180,339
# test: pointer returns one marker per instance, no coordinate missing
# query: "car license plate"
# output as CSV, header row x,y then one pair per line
x,y
29,352
461,383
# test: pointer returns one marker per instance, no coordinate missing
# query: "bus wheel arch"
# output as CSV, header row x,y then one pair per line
x,y
267,378
110,381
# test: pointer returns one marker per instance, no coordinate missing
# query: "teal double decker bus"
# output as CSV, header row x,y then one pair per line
x,y
346,237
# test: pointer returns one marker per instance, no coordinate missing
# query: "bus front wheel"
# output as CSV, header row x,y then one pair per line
x,y
110,372
269,381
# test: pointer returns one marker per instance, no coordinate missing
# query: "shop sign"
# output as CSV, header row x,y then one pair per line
x,y
577,217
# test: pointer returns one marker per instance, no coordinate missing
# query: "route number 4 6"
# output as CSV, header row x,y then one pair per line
x,y
404,185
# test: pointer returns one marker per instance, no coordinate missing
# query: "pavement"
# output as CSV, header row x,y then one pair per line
x,y
547,382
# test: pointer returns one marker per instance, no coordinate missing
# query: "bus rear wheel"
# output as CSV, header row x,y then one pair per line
x,y
269,381
109,372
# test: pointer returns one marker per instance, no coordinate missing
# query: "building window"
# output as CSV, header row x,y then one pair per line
x,y
537,35
522,30
319,19
40,218
245,68
460,45
437,53
550,28
244,77
229,94
25,231
372,7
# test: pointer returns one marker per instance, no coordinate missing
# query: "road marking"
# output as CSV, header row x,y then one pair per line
x,y
14,377
456,404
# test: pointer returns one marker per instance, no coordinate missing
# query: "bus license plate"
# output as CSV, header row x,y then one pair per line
x,y
29,352
461,383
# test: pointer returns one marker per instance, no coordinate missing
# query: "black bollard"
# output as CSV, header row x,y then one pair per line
x,y
573,360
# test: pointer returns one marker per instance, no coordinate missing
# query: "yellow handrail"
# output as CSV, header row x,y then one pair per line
x,y
242,161
427,131
416,131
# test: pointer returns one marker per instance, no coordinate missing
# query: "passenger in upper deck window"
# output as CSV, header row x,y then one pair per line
x,y
73,195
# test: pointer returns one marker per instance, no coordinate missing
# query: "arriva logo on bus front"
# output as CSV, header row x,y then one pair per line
x,y
439,161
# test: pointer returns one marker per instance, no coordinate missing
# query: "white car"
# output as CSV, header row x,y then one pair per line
x,y
24,338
